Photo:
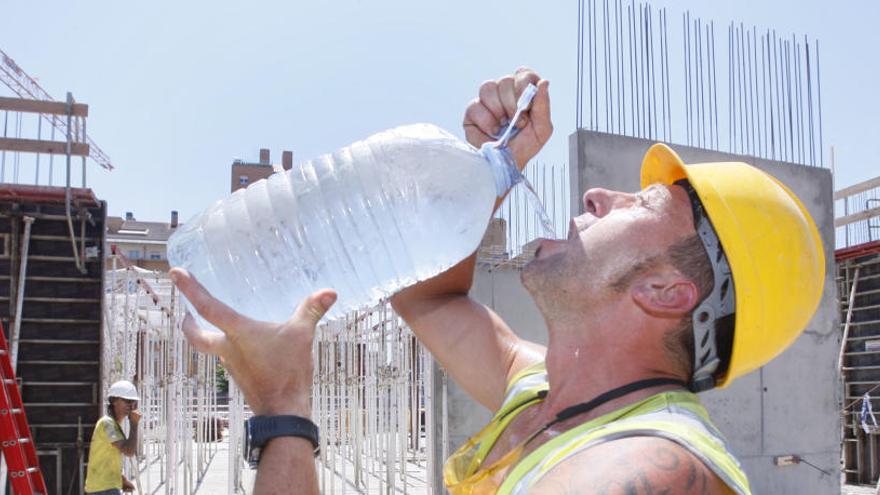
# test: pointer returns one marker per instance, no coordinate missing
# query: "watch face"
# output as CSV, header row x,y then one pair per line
x,y
247,436
253,457
246,448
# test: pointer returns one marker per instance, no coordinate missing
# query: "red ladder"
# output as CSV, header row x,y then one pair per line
x,y
22,464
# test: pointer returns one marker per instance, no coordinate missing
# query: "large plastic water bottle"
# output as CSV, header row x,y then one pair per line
x,y
368,220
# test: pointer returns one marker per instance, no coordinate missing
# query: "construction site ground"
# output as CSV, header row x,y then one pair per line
x,y
216,479
857,490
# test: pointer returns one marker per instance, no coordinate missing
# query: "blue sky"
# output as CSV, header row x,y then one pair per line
x,y
178,89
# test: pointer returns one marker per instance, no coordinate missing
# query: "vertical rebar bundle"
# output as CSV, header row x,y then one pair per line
x,y
773,104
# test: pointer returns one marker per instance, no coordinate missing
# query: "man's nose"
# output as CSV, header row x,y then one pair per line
x,y
599,202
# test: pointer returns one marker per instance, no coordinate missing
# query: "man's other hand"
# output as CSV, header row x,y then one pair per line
x,y
271,362
134,417
127,486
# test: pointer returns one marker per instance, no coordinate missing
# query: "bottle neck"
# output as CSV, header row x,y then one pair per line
x,y
503,166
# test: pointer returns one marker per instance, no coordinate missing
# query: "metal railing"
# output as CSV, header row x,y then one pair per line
x,y
857,214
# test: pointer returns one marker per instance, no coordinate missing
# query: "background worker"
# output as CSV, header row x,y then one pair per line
x,y
109,443
652,296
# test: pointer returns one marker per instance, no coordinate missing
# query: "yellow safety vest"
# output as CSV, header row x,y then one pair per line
x,y
105,461
677,416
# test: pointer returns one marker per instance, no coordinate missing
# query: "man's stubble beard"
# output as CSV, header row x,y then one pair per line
x,y
560,285
549,282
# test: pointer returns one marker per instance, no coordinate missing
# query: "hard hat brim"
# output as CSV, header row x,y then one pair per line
x,y
662,165
126,397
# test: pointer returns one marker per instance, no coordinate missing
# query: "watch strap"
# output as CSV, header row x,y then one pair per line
x,y
262,429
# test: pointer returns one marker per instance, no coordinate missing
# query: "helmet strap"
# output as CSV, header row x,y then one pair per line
x,y
714,312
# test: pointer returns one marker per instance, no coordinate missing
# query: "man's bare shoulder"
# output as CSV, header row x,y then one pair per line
x,y
632,466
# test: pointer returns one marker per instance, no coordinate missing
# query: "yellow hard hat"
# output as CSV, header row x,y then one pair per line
x,y
772,247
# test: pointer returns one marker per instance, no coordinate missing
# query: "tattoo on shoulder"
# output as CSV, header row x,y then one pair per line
x,y
663,471
664,459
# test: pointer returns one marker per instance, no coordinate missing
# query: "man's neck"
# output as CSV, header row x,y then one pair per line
x,y
582,363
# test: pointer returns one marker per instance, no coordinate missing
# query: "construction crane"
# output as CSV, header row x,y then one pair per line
x,y
26,87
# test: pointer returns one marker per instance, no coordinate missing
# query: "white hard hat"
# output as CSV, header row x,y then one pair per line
x,y
123,389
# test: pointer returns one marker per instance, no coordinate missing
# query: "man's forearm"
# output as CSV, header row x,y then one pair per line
x,y
129,447
287,465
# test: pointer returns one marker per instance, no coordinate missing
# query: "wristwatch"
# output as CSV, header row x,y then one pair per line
x,y
259,430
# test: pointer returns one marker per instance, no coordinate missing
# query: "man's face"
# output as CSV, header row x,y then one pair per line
x,y
121,407
616,232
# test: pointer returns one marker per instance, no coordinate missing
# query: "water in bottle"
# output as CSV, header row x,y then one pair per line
x,y
368,220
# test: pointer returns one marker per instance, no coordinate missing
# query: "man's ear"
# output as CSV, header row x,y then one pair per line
x,y
665,293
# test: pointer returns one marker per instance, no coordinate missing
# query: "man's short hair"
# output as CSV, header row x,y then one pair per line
x,y
688,257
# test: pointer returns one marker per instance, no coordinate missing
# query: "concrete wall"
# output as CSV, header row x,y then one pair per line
x,y
788,407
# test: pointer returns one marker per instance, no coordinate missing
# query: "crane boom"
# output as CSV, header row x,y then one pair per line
x,y
26,87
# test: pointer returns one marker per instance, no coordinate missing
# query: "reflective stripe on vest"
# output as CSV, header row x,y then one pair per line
x,y
676,424
676,416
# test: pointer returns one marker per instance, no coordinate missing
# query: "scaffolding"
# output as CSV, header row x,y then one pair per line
x,y
371,399
858,279
56,314
857,215
182,420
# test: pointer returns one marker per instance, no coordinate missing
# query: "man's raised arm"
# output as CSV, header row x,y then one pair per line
x,y
128,447
469,340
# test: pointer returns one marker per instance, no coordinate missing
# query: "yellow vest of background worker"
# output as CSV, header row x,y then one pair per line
x,y
677,416
105,460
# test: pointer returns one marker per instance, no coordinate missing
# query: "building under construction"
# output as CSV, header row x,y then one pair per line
x,y
90,301
79,315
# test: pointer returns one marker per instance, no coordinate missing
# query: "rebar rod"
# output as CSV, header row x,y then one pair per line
x,y
580,67
650,28
714,86
819,97
701,63
800,101
753,83
632,90
731,139
606,47
618,68
810,101
687,77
